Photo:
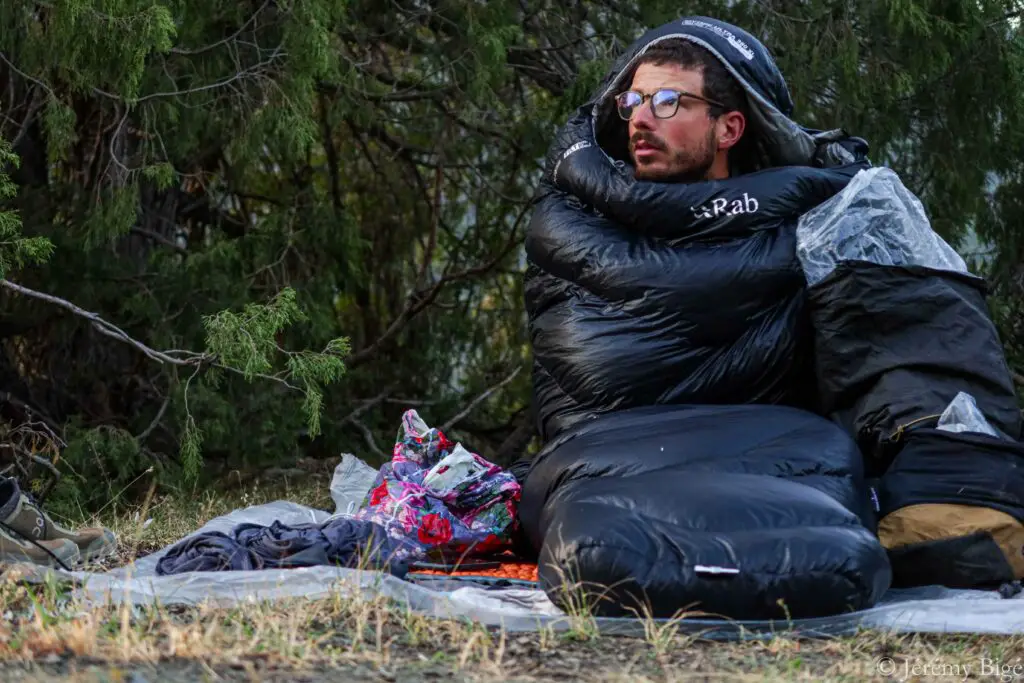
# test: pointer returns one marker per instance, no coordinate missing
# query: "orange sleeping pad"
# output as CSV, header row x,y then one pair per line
x,y
504,566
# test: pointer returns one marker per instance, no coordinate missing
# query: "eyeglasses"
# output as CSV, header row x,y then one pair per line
x,y
664,102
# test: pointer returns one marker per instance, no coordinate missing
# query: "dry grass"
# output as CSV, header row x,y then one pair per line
x,y
46,636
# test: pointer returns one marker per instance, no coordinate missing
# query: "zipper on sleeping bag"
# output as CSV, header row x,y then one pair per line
x,y
880,449
902,429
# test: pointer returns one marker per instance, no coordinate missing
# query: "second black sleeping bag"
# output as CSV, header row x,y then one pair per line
x,y
739,512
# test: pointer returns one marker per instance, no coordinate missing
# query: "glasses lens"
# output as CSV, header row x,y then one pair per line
x,y
627,103
664,103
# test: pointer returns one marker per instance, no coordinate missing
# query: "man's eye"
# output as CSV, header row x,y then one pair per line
x,y
665,101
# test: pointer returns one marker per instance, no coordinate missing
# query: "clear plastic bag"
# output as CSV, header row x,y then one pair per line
x,y
352,481
453,472
875,219
963,415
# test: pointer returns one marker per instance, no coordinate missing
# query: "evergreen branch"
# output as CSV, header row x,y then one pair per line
x,y
480,128
104,327
260,375
788,17
224,41
193,359
479,399
1018,378
309,368
240,75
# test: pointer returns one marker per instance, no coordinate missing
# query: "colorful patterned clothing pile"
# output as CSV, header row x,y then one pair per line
x,y
439,498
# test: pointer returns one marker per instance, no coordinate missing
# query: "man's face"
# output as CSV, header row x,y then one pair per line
x,y
681,148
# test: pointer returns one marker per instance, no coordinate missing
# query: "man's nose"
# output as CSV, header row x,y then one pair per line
x,y
643,116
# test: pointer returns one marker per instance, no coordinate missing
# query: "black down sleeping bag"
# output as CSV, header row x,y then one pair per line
x,y
643,293
648,299
745,512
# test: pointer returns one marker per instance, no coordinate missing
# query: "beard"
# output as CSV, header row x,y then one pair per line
x,y
690,165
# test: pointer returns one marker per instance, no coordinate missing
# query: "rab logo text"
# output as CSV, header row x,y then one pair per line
x,y
582,144
725,207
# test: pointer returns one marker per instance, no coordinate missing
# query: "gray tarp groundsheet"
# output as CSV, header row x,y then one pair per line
x,y
931,609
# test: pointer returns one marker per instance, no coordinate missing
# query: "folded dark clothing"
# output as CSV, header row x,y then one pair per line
x,y
342,541
348,542
208,552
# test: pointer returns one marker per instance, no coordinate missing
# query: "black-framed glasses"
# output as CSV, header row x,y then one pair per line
x,y
664,102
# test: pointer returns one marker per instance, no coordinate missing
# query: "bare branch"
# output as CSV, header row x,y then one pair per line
x,y
33,107
157,237
370,441
26,76
479,399
370,403
418,301
8,397
251,71
412,402
516,442
104,327
144,434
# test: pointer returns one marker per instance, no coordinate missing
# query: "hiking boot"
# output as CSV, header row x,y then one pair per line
x,y
20,513
45,553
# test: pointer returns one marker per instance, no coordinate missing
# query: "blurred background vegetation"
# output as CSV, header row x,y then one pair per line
x,y
248,234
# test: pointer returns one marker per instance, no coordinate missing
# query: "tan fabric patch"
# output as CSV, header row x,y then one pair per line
x,y
934,521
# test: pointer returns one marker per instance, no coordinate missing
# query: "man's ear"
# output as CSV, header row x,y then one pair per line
x,y
730,129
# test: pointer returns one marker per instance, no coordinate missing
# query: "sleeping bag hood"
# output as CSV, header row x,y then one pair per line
x,y
644,293
779,140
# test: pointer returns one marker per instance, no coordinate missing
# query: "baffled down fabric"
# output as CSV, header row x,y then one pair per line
x,y
744,512
642,293
645,293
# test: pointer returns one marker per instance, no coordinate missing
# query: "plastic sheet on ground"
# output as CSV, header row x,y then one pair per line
x,y
922,610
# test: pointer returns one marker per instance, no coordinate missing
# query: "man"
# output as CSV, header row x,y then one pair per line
x,y
663,274
684,366
680,288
